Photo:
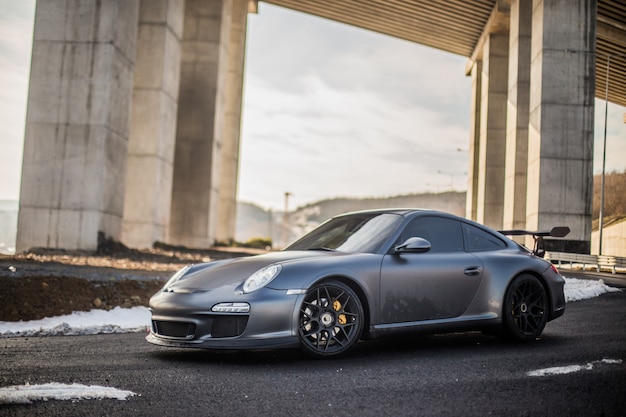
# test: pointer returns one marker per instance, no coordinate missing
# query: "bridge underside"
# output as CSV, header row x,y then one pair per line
x,y
134,110
461,26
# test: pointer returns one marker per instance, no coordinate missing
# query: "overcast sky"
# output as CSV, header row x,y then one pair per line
x,y
329,110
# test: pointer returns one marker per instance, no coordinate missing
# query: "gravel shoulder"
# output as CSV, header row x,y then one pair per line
x,y
44,283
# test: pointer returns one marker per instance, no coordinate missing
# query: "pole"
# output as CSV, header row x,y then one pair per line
x,y
606,112
286,219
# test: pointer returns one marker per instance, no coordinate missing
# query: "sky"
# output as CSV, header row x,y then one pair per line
x,y
329,111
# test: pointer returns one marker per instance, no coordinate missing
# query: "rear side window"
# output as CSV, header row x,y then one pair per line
x,y
477,240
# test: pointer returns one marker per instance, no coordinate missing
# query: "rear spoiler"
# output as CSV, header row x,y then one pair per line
x,y
539,249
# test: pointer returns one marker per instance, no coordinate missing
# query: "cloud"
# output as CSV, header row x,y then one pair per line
x,y
615,137
319,142
16,28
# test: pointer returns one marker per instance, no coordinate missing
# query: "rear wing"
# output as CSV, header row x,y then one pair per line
x,y
539,249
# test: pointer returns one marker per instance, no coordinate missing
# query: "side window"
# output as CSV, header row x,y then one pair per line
x,y
443,234
477,240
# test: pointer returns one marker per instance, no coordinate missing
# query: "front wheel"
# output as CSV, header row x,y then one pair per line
x,y
330,320
525,308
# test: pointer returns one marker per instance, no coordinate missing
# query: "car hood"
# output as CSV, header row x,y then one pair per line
x,y
232,272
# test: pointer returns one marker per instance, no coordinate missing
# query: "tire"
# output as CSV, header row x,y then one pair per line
x,y
330,320
525,308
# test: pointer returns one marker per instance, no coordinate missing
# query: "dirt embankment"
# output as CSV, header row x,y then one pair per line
x,y
44,283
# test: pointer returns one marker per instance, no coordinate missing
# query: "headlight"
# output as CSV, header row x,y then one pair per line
x,y
176,277
261,278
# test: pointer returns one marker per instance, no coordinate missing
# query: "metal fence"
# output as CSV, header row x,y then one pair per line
x,y
600,263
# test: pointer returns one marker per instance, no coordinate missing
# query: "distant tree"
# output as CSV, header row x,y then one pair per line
x,y
614,196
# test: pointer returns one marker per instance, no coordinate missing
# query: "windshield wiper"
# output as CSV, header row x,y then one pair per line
x,y
324,249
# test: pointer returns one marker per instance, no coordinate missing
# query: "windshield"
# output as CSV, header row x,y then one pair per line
x,y
364,232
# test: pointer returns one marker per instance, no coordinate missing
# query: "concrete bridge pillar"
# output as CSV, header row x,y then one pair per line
x,y
225,230
560,149
206,131
474,145
492,137
516,158
531,160
76,139
153,123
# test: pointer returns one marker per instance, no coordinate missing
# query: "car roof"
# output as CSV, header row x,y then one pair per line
x,y
399,211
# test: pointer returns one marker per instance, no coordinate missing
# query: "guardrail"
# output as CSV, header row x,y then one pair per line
x,y
600,262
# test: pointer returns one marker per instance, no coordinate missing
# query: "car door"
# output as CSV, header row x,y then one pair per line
x,y
437,284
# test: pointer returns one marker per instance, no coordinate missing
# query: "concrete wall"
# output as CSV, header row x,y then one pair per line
x,y
613,240
76,139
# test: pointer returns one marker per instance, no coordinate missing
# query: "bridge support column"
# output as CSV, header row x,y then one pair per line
x,y
153,123
75,146
225,231
474,145
490,187
516,159
560,149
203,119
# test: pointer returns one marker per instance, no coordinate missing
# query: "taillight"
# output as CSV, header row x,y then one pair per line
x,y
554,269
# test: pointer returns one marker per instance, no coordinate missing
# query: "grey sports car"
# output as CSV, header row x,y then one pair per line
x,y
363,275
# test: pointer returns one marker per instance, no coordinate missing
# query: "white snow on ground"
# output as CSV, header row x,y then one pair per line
x,y
562,370
118,320
26,394
136,319
581,289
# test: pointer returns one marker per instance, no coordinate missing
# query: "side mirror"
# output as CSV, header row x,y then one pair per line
x,y
413,245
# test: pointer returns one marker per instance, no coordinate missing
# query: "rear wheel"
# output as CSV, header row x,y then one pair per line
x,y
525,308
330,320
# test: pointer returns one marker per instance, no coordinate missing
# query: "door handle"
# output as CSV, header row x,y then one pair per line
x,y
472,270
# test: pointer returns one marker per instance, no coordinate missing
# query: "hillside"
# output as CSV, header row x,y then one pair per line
x,y
614,197
254,221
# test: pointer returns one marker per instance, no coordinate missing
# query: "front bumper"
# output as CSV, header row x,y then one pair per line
x,y
186,320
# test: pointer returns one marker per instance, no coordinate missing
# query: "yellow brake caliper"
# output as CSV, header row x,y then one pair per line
x,y
342,317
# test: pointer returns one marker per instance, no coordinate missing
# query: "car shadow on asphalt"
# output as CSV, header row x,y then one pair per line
x,y
408,345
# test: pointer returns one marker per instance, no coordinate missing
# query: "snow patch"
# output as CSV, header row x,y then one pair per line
x,y
26,394
562,370
581,289
118,320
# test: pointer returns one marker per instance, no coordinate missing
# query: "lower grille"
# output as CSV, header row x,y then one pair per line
x,y
229,326
173,329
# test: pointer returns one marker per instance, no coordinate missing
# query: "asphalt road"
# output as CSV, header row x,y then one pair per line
x,y
453,375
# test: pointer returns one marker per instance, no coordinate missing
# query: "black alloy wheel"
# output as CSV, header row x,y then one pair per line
x,y
525,308
331,320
